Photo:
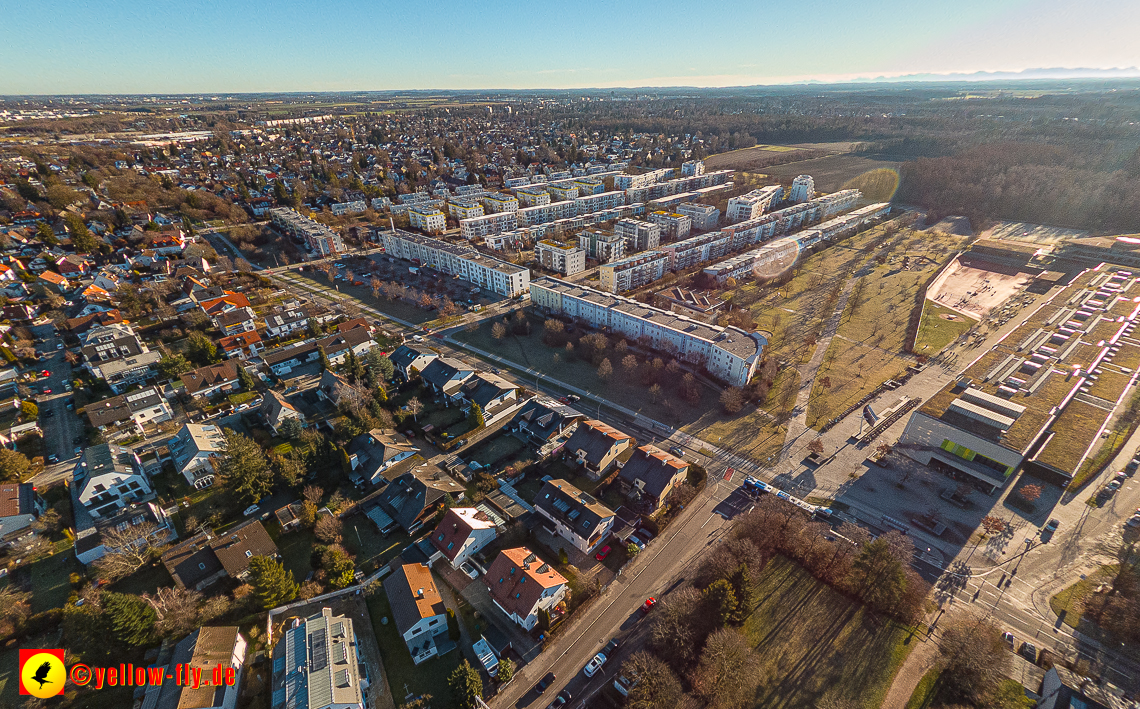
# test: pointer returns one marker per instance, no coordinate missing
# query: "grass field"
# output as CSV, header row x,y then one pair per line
x,y
937,329
51,584
814,642
870,345
1070,600
395,308
924,693
832,172
758,157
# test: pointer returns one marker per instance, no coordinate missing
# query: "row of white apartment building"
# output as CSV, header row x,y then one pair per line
x,y
496,203
638,235
674,227
488,225
563,258
633,271
697,249
706,182
753,204
626,182
342,208
602,246
783,221
729,353
492,274
780,252
321,239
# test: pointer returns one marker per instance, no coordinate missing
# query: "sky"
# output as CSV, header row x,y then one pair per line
x,y
161,46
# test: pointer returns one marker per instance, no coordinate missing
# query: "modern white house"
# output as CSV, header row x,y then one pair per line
x,y
194,450
462,532
108,478
317,664
417,609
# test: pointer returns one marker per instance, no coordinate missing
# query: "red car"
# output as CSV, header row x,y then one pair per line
x,y
602,553
648,605
45,373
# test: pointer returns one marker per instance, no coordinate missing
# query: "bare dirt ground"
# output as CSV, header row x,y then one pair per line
x,y
974,291
959,226
1031,233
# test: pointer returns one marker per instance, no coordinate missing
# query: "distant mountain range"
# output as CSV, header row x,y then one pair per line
x,y
1059,73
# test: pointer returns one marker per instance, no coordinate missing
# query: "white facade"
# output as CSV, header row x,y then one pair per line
x,y
193,450
693,168
563,258
465,209
753,204
638,235
625,182
546,213
428,219
632,272
674,227
602,246
108,478
348,208
496,203
320,239
598,202
487,225
705,217
697,249
463,261
729,353
803,189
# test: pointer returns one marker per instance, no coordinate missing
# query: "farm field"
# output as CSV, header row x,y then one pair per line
x,y
833,171
758,157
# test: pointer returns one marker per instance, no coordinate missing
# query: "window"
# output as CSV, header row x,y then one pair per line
x,y
433,622
248,553
517,595
450,545
201,567
417,631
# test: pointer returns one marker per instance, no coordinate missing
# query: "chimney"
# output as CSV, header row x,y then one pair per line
x,y
420,593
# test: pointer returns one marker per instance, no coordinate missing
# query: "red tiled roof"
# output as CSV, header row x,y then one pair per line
x,y
517,578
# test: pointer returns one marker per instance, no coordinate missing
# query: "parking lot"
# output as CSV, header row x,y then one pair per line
x,y
63,430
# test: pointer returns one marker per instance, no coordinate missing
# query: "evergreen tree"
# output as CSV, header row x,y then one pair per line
x,y
506,670
722,602
46,234
201,350
326,366
245,469
745,591
381,363
173,365
475,416
132,619
466,685
272,584
246,378
81,238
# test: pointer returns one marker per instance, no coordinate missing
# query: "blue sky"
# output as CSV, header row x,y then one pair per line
x,y
158,46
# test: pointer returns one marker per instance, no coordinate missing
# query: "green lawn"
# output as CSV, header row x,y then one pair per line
x,y
370,547
296,549
813,641
395,308
50,580
1070,600
404,677
925,691
939,327
495,449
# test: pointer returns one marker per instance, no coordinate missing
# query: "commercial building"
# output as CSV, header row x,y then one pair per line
x,y
673,226
602,246
638,235
428,219
728,353
705,217
317,665
319,238
632,271
564,258
751,205
1038,399
488,225
802,190
496,203
697,249
463,261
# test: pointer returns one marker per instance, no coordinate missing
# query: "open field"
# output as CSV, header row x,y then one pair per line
x,y
758,157
939,327
871,344
814,642
832,172
1031,233
974,291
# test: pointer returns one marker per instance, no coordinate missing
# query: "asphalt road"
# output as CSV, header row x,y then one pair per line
x,y
60,425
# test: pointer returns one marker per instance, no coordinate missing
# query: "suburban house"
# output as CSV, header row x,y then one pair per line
x,y
115,354
53,282
337,347
203,559
143,408
596,447
276,410
521,585
545,424
286,321
194,450
462,532
283,360
317,664
370,454
412,499
336,390
108,478
236,321
133,525
204,649
212,379
243,345
574,515
649,476
445,375
411,358
417,609
20,505
496,397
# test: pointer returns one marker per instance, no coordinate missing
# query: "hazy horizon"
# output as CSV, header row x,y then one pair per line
x,y
71,47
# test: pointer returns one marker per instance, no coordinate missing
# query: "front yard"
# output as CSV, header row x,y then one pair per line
x,y
405,677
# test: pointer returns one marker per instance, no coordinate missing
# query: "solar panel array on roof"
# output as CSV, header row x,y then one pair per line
x,y
318,650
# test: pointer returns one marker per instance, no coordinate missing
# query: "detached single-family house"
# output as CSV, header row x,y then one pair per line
x,y
236,321
131,526
521,585
417,609
205,558
203,650
496,397
370,454
195,450
649,476
336,390
546,424
53,282
596,447
337,346
574,515
445,375
413,498
462,532
411,358
108,478
20,505
243,345
143,408
212,379
285,321
276,409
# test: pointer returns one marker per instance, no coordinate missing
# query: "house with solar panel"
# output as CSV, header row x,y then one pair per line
x,y
316,665
574,515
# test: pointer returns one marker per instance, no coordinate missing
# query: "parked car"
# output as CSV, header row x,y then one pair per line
x,y
250,510
1109,489
573,398
1051,525
53,458
468,569
561,700
545,682
648,605
1009,640
603,553
1132,466
637,542
611,647
595,664
78,450
677,451
1029,652
1134,520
